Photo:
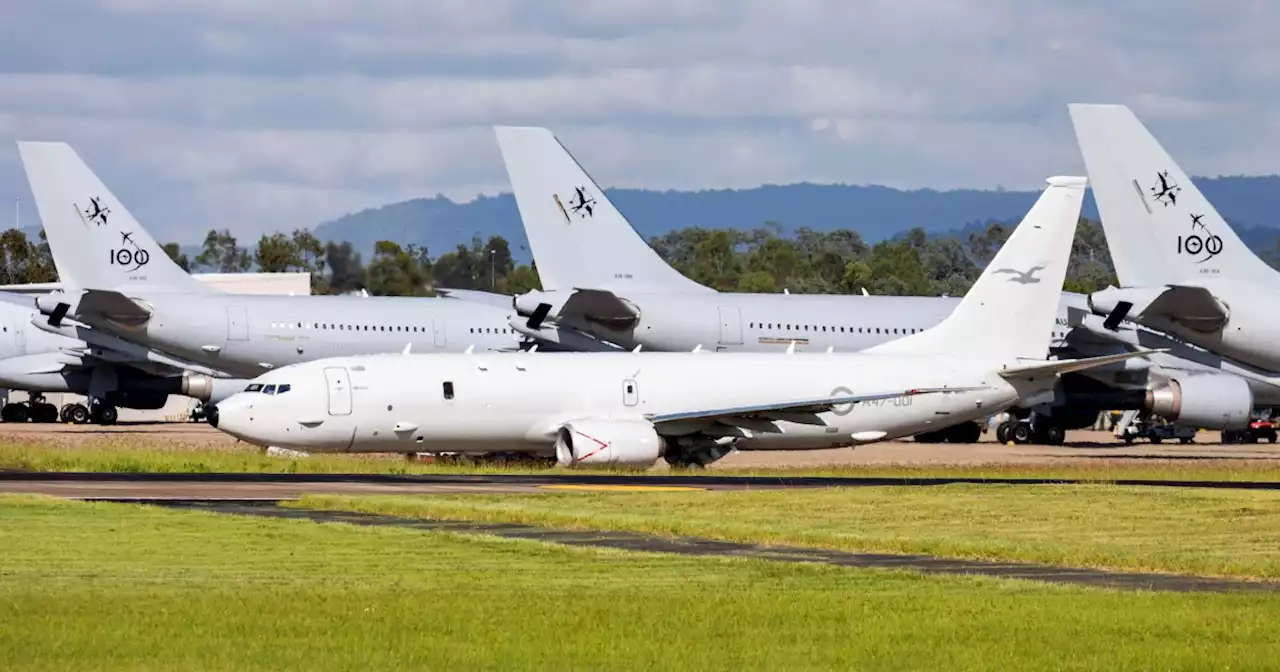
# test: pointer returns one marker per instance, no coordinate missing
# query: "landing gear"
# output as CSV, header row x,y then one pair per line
x,y
684,453
1028,431
103,414
14,413
76,414
35,410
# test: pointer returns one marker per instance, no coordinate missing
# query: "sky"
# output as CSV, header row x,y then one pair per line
x,y
260,116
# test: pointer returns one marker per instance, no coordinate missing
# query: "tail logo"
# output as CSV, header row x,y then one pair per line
x,y
582,203
1027,277
1206,245
129,254
96,212
1165,190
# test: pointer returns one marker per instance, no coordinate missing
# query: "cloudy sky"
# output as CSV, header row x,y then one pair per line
x,y
260,115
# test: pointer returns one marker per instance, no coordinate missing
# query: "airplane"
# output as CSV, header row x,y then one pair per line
x,y
604,288
135,293
1181,268
124,376
632,408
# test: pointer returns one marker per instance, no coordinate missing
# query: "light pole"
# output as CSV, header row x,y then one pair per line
x,y
493,279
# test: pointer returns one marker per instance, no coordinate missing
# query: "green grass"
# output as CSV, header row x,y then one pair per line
x,y
153,456
102,586
1211,532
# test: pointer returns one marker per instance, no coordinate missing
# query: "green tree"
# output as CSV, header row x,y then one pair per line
x,y
221,253
346,270
277,253
397,271
25,261
177,255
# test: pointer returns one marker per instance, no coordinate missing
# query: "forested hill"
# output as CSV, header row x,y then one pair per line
x,y
878,213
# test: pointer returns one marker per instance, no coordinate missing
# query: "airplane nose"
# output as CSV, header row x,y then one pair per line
x,y
211,415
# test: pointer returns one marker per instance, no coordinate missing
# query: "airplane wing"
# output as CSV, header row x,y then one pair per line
x,y
1061,366
598,305
112,304
1195,307
809,406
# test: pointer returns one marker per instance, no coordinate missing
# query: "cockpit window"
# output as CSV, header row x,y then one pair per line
x,y
281,389
270,389
253,387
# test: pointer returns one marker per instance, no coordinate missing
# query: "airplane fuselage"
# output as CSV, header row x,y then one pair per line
x,y
246,335
518,401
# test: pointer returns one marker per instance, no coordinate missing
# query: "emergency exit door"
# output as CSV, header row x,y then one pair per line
x,y
237,323
730,325
339,390
438,333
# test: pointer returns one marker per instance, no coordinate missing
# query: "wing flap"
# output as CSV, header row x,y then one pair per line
x,y
1059,367
1195,307
789,409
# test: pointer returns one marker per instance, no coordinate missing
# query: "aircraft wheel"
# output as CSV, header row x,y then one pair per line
x,y
1054,435
44,412
64,414
1156,439
17,413
105,415
1002,431
1184,440
78,414
1020,433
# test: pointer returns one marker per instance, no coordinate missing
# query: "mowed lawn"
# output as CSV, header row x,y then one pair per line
x,y
1201,531
150,455
110,586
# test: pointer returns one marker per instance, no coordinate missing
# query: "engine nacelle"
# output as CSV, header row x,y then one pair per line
x,y
1207,401
209,389
608,442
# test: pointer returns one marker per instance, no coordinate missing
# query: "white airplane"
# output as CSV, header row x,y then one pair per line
x,y
1182,270
690,408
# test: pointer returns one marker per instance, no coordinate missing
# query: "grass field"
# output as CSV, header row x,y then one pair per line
x,y
153,456
101,586
1212,532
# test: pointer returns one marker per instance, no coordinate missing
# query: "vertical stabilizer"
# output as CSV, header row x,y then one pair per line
x,y
95,242
1008,314
579,239
1160,228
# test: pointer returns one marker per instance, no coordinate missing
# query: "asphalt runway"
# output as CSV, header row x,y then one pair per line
x,y
274,487
628,541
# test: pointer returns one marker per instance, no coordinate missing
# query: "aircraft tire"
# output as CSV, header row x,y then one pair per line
x,y
1054,435
1002,431
78,414
105,415
1020,433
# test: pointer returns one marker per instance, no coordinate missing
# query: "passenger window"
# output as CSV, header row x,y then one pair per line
x,y
281,389
448,389
270,389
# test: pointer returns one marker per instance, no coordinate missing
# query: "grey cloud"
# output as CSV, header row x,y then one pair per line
x,y
263,115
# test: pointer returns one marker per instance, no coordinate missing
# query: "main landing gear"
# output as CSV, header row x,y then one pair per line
x,y
36,409
1028,431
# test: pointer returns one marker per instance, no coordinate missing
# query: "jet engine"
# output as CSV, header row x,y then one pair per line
x,y
608,442
209,389
1207,401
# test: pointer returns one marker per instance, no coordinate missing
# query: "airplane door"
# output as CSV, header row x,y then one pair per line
x,y
630,392
730,325
339,390
438,333
237,323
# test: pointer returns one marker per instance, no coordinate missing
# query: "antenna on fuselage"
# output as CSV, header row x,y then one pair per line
x,y
791,349
407,348
697,348
637,348
470,350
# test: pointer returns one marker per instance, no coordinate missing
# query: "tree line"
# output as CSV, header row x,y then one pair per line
x,y
765,259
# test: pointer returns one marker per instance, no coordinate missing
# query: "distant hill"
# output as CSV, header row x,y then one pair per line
x,y
1250,203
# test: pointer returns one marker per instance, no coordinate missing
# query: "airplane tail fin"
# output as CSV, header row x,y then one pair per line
x,y
1009,312
95,242
579,239
1145,199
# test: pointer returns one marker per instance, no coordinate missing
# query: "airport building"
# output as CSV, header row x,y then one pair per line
x,y
178,408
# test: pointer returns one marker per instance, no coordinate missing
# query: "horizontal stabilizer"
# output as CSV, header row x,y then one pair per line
x,y
1057,368
806,406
